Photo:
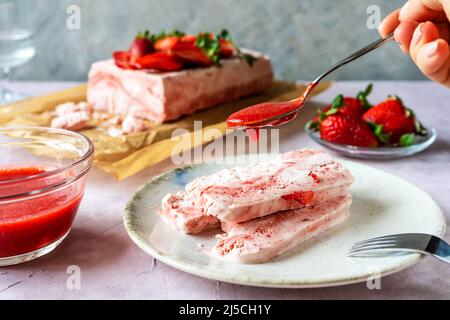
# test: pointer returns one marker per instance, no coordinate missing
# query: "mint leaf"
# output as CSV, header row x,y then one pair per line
x,y
143,35
177,33
155,37
406,140
224,34
210,45
216,60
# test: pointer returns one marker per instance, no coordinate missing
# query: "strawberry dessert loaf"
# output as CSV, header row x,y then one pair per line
x,y
163,77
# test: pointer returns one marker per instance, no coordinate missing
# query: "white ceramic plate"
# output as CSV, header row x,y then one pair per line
x,y
382,204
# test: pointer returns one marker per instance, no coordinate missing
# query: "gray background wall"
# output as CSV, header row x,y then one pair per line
x,y
303,37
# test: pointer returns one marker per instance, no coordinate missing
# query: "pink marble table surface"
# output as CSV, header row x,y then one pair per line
x,y
113,267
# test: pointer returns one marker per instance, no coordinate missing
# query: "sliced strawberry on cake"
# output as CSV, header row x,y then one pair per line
x,y
165,76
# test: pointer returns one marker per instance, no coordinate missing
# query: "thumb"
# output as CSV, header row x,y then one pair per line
x,y
433,59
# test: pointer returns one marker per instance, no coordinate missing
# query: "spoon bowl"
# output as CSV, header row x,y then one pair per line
x,y
265,114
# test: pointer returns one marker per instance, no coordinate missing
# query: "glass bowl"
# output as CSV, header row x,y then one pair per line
x,y
420,144
43,174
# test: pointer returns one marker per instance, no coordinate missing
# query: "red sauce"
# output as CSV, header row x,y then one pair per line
x,y
16,173
259,115
260,112
30,224
253,134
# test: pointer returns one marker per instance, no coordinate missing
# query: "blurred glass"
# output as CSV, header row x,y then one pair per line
x,y
16,42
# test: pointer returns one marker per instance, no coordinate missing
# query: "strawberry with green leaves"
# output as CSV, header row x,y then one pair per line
x,y
141,45
393,123
176,50
351,106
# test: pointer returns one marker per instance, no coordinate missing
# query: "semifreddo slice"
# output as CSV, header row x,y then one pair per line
x,y
289,181
260,240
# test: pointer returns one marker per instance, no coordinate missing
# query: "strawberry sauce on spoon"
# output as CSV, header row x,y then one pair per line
x,y
269,114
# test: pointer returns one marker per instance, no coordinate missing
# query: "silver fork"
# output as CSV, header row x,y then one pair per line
x,y
406,242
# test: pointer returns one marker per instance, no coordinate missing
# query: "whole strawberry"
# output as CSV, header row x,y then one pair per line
x,y
344,129
392,122
353,107
141,45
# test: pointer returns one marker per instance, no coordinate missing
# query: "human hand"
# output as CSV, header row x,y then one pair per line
x,y
422,28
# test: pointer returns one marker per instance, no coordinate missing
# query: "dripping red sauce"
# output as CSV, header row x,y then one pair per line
x,y
30,223
253,134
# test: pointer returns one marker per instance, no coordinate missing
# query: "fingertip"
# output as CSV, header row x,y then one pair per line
x,y
389,23
383,28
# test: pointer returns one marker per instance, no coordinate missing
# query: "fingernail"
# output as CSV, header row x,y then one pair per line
x,y
430,50
417,35
404,9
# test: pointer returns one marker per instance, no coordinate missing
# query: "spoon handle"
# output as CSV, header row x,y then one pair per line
x,y
356,55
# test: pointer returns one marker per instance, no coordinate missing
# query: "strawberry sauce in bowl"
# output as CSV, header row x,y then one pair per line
x,y
43,174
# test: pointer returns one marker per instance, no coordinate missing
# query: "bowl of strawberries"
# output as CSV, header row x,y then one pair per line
x,y
354,127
